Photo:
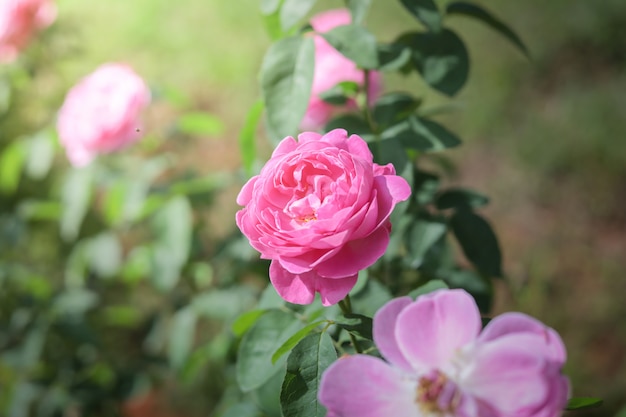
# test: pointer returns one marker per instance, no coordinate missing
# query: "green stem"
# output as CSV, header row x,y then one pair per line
x,y
346,308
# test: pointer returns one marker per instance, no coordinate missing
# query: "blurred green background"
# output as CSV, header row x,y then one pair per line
x,y
545,138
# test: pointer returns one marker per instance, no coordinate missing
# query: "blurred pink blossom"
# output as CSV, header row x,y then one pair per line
x,y
19,21
102,113
439,363
320,211
332,68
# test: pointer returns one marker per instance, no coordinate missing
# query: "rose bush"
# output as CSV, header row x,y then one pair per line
x,y
320,211
332,68
19,21
439,364
102,113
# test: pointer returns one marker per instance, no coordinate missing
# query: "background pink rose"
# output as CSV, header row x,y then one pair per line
x,y
331,68
19,21
320,210
440,363
102,113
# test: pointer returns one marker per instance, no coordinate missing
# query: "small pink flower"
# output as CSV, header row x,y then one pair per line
x,y
19,21
320,210
331,68
102,113
440,364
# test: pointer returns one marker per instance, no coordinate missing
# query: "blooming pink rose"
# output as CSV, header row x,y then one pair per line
x,y
19,21
440,364
101,113
320,210
331,68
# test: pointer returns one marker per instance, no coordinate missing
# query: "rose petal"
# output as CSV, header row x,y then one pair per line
x,y
294,288
333,290
384,332
435,326
364,386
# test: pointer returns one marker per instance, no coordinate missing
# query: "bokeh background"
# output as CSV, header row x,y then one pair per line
x,y
545,138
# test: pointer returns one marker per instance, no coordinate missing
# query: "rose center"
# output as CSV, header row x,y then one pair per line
x,y
436,394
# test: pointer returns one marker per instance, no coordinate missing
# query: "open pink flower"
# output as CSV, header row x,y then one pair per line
x,y
19,21
102,113
440,364
331,68
320,210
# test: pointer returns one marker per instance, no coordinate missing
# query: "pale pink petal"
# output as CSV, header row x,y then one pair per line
x,y
398,188
333,290
514,322
305,137
294,288
356,255
364,386
325,21
430,331
245,195
285,146
384,332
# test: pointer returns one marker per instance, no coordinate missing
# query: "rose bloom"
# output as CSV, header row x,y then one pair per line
x,y
331,68
19,21
320,210
439,363
102,113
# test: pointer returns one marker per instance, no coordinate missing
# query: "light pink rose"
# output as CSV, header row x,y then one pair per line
x,y
331,68
19,21
320,210
440,364
102,113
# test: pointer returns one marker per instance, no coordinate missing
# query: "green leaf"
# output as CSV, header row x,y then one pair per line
x,y
75,198
357,324
422,235
340,93
578,403
201,124
425,11
104,254
247,136
353,124
40,155
269,6
477,12
11,165
242,410
245,321
460,198
393,57
421,134
358,9
372,297
292,11
39,210
286,79
390,151
478,241
307,362
441,58
181,336
478,286
429,287
294,339
355,43
394,107
5,95
254,359
223,304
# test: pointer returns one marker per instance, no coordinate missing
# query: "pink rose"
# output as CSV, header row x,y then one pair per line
x,y
331,68
320,210
440,363
19,21
101,113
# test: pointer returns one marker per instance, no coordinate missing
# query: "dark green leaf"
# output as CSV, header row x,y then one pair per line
x,y
294,339
479,287
390,151
286,79
441,58
292,11
357,324
372,297
305,366
181,336
247,143
393,57
340,93
425,11
477,12
355,125
358,9
425,188
478,241
394,107
200,123
422,235
254,364
75,197
429,287
460,198
421,134
578,403
355,43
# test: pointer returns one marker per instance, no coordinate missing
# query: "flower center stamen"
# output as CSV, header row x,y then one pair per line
x,y
436,394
